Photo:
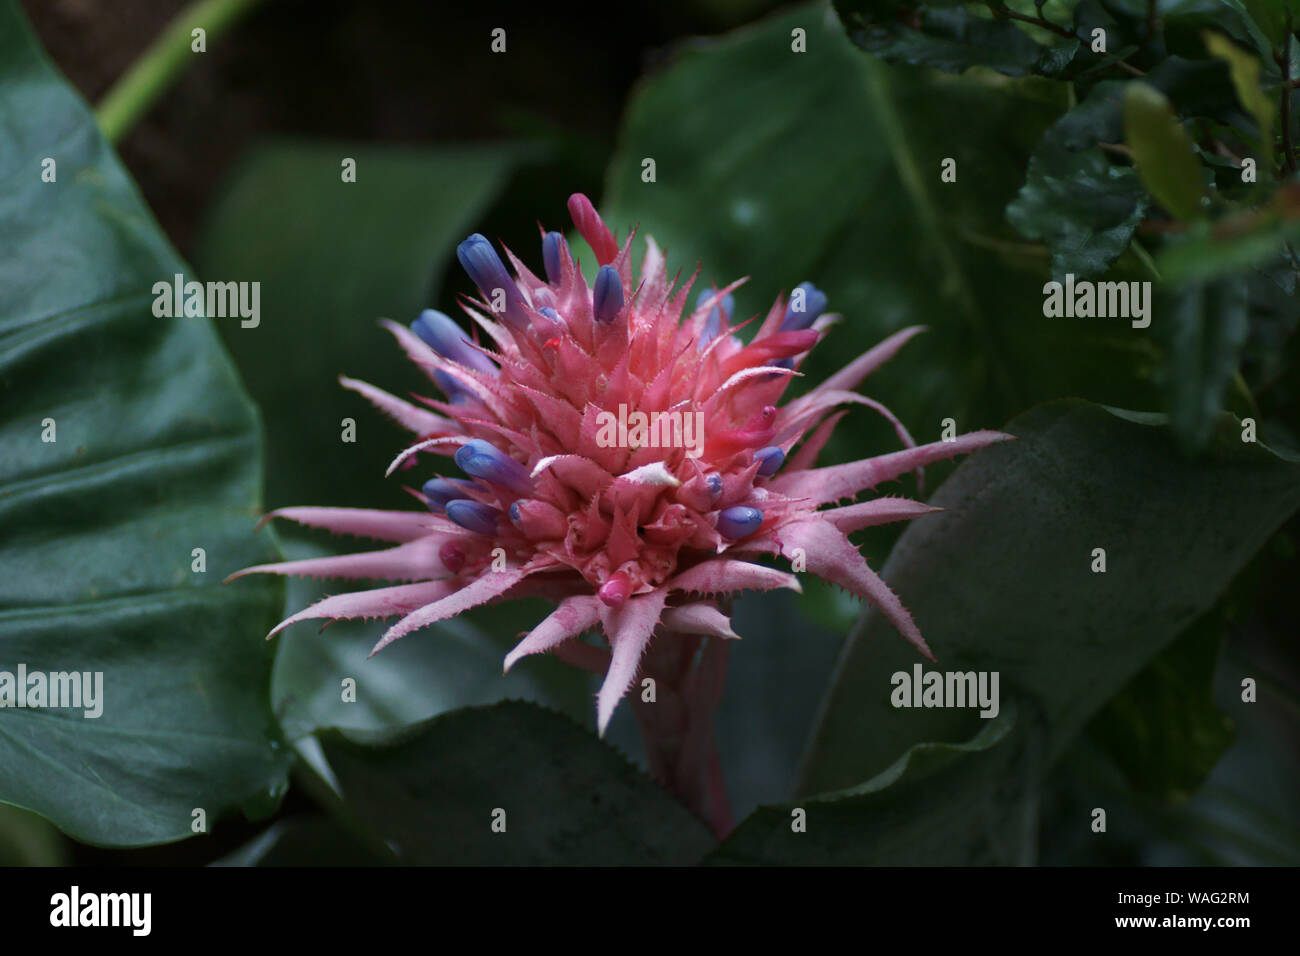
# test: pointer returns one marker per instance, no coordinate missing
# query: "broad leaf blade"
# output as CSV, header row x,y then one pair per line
x,y
1028,605
966,804
568,798
334,258
157,452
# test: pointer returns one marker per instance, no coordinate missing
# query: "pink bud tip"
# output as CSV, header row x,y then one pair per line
x,y
593,229
616,589
452,556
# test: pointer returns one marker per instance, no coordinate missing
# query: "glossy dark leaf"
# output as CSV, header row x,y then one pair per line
x,y
1083,206
1063,636
948,38
965,804
561,795
156,453
333,258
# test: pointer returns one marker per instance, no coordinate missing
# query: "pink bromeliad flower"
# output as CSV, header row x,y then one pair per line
x,y
626,458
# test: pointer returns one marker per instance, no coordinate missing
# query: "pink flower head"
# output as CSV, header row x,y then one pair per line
x,y
627,457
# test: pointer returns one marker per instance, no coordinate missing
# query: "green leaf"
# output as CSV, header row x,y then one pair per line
x,y
1081,205
1163,729
1266,19
1245,73
1204,328
29,840
567,797
157,452
1164,154
1028,605
951,39
1233,245
939,804
334,258
1196,88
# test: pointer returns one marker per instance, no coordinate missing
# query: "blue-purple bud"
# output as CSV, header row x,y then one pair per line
x,y
552,253
550,313
439,491
473,516
715,485
813,304
455,392
722,308
607,296
514,512
739,522
449,340
486,270
481,459
770,460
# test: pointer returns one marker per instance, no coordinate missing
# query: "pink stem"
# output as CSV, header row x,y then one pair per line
x,y
677,727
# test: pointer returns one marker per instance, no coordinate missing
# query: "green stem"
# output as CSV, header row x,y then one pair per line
x,y
139,87
1144,257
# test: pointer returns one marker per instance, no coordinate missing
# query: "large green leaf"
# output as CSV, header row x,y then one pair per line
x,y
1028,604
567,797
157,452
334,258
966,804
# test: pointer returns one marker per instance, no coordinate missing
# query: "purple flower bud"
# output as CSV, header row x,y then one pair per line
x,y
715,485
486,270
473,516
739,522
481,459
439,491
514,512
450,388
449,340
552,252
770,460
810,306
607,296
550,313
722,308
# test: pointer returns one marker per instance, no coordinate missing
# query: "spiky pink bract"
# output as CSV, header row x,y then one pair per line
x,y
641,541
